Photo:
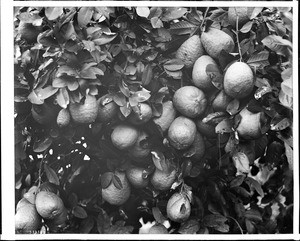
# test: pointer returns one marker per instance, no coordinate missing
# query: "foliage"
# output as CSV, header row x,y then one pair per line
x,y
129,53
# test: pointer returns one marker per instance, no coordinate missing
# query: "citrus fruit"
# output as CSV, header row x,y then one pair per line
x,y
28,31
215,40
167,116
199,76
158,228
206,129
63,118
24,201
197,149
113,194
178,208
163,180
221,101
48,204
238,80
85,113
190,50
249,127
141,148
107,109
58,222
134,175
143,115
189,101
182,132
44,114
124,136
27,219
241,13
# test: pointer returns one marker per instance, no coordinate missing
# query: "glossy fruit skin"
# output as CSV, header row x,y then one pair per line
x,y
49,205
249,127
116,196
221,101
63,118
134,175
106,111
85,113
158,229
124,136
238,80
242,14
167,116
27,219
215,40
190,101
141,118
181,133
29,32
199,76
174,206
140,149
190,51
163,180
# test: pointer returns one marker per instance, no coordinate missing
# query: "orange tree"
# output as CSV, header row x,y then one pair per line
x,y
128,118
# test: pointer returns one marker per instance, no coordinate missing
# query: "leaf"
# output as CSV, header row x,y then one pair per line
x,y
66,70
106,179
237,181
182,27
241,162
259,60
91,73
218,15
253,13
143,11
285,100
233,107
278,44
158,216
34,99
62,98
79,212
174,74
51,175
141,96
289,155
85,15
210,118
217,222
253,215
86,225
261,91
126,110
42,144
105,38
147,75
156,22
53,13
225,126
246,27
255,185
120,228
46,92
117,182
287,84
191,226
159,160
171,13
173,65
281,125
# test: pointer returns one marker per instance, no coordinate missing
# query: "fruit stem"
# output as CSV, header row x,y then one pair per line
x,y
205,14
40,168
237,34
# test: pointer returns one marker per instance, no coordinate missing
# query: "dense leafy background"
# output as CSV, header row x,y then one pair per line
x,y
129,52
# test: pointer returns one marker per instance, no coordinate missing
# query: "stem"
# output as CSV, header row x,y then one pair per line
x,y
205,14
40,168
237,34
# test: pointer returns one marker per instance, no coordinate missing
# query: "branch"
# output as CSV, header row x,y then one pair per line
x,y
237,34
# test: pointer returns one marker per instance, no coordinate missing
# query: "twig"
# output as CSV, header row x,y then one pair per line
x,y
237,34
40,168
205,14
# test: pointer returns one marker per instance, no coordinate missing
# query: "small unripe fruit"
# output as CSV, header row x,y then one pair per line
x,y
63,118
124,136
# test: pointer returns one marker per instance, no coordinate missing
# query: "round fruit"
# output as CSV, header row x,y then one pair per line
x,y
58,222
215,40
124,136
107,109
143,115
114,195
182,132
29,32
221,101
44,114
134,175
167,116
49,205
199,75
197,149
23,202
189,101
163,180
140,148
249,127
175,210
63,118
190,51
238,80
206,129
85,113
158,229
241,13
27,219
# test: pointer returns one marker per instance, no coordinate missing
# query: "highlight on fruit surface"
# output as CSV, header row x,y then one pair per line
x,y
163,180
178,207
167,116
107,109
114,193
238,12
190,51
238,80
216,40
124,136
190,101
85,113
142,115
136,176
182,133
63,118
141,148
200,78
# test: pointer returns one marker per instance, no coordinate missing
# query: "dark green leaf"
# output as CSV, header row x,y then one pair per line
x,y
173,65
225,126
47,39
218,15
191,226
158,158
85,15
215,75
117,182
237,181
147,75
156,22
216,222
253,215
119,99
209,119
259,60
120,228
53,13
87,225
141,96
182,27
254,185
253,12
62,98
91,73
241,162
51,175
281,125
66,70
171,13
105,38
34,99
126,110
46,92
250,226
79,212
42,144
278,44
158,216
106,179
246,27
233,107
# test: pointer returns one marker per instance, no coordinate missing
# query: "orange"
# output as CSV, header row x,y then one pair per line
x,y
221,101
158,229
163,180
124,136
178,208
134,175
143,115
141,148
107,109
